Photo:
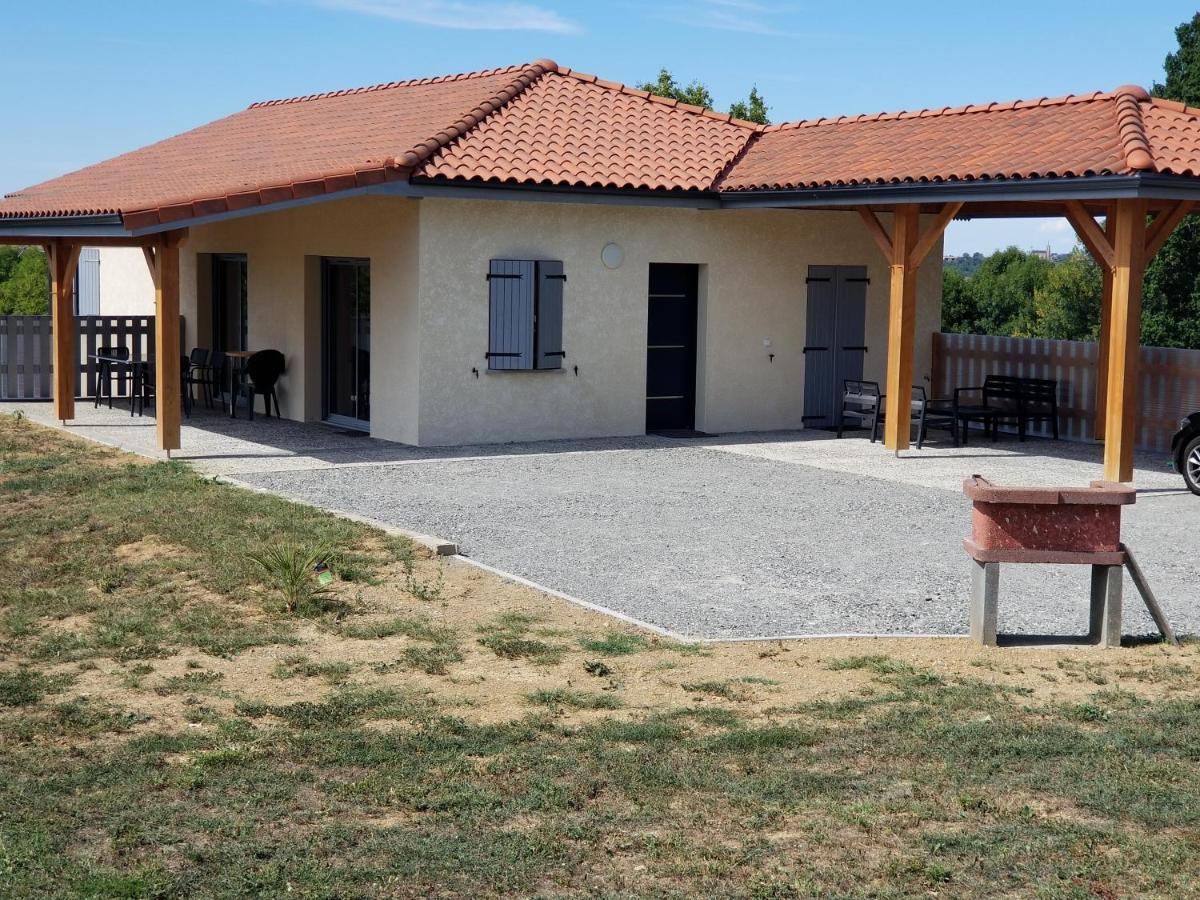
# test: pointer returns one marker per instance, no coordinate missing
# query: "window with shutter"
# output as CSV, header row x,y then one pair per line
x,y
525,313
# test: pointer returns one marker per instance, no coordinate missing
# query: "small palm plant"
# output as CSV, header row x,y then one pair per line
x,y
291,569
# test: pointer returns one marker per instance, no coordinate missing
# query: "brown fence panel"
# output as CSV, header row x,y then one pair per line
x,y
1169,383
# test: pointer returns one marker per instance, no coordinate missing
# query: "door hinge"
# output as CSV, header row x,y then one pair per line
x,y
491,275
810,280
806,349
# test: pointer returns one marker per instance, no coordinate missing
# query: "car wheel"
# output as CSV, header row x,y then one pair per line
x,y
1191,465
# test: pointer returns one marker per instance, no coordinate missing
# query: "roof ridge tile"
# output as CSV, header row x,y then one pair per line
x,y
388,85
1135,145
530,75
967,109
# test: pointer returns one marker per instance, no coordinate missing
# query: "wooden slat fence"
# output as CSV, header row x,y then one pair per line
x,y
1169,383
26,352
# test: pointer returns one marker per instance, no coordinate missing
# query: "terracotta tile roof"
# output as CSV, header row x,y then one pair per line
x,y
280,150
1085,134
537,124
574,130
1174,136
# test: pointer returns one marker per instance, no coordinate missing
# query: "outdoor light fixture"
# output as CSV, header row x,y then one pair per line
x,y
612,256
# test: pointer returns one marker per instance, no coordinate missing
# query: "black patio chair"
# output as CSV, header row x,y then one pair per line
x,y
860,402
104,371
214,376
258,376
194,374
144,388
924,414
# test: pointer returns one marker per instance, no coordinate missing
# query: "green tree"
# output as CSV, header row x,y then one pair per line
x,y
1171,291
8,261
694,93
1066,307
959,314
26,291
1003,291
753,108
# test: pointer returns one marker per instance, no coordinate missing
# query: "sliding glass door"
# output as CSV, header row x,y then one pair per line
x,y
229,314
347,341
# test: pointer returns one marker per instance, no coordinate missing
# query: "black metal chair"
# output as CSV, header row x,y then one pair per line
x,y
258,376
144,388
924,414
860,402
214,376
194,373
104,371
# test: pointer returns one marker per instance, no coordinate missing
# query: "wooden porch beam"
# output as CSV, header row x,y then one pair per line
x,y
1129,247
1091,234
63,259
1163,225
876,230
934,233
164,268
1106,296
902,326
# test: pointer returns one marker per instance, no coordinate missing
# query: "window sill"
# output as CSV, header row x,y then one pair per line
x,y
561,371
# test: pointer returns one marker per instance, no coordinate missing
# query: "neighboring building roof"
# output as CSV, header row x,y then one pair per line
x,y
539,125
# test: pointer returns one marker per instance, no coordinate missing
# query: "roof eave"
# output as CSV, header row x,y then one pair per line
x,y
1088,187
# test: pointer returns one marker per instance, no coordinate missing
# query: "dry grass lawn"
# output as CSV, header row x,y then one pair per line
x,y
168,727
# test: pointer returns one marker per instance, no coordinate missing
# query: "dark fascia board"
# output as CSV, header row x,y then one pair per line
x,y
48,228
1091,187
1095,187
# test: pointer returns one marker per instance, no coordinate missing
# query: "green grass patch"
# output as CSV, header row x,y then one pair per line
x,y
615,643
557,698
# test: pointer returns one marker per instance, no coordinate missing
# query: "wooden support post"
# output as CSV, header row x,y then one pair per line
x,y
1106,284
63,260
167,388
1124,346
902,327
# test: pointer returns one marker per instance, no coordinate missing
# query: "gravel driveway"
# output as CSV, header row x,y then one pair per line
x,y
759,538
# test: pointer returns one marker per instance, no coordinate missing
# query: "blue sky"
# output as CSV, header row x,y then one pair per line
x,y
88,80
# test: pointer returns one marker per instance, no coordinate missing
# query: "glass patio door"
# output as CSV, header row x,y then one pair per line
x,y
347,342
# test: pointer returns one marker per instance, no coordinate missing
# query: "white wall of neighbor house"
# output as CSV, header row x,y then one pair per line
x,y
282,251
752,288
126,288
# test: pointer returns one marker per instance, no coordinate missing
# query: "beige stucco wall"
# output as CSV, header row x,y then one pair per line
x,y
126,288
430,309
283,307
752,290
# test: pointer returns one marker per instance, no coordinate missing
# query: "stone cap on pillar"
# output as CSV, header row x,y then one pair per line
x,y
1098,493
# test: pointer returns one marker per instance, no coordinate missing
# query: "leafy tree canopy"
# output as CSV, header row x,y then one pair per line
x,y
24,282
696,93
1171,291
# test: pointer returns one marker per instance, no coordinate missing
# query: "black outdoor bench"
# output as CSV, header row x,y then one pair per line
x,y
1009,399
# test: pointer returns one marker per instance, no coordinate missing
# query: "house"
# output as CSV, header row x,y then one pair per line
x,y
532,252
113,281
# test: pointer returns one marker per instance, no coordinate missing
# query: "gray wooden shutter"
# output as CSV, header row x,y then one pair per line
x,y
510,313
550,314
87,283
